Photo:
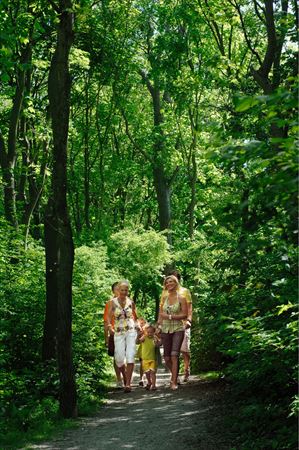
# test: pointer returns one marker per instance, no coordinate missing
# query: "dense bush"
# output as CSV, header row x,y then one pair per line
x,y
91,289
245,281
28,388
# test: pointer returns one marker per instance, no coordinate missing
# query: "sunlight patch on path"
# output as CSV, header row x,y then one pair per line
x,y
186,419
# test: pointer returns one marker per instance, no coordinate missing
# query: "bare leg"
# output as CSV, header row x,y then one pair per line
x,y
122,370
148,377
153,379
117,372
168,362
174,370
129,373
186,358
140,370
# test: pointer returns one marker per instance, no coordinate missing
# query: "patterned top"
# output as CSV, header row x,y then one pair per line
x,y
124,317
170,326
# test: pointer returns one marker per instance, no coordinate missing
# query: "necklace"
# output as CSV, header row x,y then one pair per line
x,y
122,303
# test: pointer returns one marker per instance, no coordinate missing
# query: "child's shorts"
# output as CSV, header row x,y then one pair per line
x,y
149,364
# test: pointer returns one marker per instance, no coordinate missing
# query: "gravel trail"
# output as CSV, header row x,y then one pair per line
x,y
189,418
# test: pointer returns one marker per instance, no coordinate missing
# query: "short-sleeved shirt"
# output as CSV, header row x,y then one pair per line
x,y
148,349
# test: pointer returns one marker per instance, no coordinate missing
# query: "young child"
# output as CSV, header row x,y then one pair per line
x,y
148,343
141,324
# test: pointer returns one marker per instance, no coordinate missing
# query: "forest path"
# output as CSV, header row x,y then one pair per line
x,y
189,418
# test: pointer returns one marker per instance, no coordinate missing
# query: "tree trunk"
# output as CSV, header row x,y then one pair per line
x,y
193,201
8,157
86,160
161,182
163,197
192,165
50,324
59,98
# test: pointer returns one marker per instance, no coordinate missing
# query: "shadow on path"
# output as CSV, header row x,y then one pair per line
x,y
189,418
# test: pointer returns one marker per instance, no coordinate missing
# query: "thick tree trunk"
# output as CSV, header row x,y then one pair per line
x,y
271,63
161,182
50,324
163,197
59,98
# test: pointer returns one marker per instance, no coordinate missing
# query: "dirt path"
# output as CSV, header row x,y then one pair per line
x,y
189,418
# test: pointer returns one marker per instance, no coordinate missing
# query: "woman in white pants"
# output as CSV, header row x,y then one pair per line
x,y
122,308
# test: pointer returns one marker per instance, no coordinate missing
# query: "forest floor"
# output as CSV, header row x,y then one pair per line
x,y
190,418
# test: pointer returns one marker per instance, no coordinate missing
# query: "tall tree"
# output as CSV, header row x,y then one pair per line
x,y
59,85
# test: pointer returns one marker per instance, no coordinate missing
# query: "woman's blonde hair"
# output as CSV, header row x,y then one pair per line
x,y
125,282
171,277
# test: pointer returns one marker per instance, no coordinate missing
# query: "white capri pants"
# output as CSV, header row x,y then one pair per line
x,y
125,348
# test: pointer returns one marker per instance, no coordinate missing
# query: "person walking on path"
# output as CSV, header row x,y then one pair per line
x,y
141,323
173,309
109,339
122,310
185,347
148,343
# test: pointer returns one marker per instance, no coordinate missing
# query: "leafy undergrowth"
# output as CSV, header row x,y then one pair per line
x,y
257,425
40,419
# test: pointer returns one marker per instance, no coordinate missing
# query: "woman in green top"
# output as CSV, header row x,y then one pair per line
x,y
173,309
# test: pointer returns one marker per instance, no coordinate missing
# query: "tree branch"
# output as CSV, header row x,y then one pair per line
x,y
215,30
267,63
248,42
256,8
146,81
131,139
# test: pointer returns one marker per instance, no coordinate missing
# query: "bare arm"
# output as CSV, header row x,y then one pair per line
x,y
159,321
106,329
109,318
157,340
140,339
189,315
182,315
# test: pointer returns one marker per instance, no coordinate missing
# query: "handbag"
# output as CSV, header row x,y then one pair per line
x,y
111,345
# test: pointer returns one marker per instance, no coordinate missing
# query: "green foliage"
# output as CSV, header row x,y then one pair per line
x,y
91,290
24,382
247,284
140,256
29,388
229,154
